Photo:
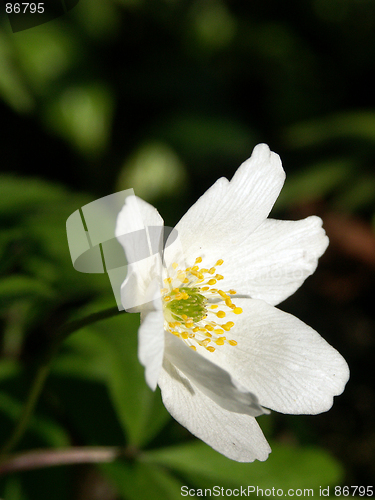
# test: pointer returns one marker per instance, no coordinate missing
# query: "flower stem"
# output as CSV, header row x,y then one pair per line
x,y
36,459
43,371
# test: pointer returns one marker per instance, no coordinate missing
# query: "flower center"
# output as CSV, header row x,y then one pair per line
x,y
192,307
188,302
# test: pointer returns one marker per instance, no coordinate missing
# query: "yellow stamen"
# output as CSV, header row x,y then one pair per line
x,y
237,310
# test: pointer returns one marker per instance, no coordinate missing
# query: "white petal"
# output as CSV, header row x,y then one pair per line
x,y
287,364
139,230
151,345
212,380
230,211
275,260
237,436
135,215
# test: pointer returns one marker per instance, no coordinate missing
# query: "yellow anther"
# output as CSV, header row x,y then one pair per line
x,y
184,335
220,341
219,277
209,328
193,347
205,288
219,262
189,324
167,298
230,324
185,280
212,270
212,282
201,329
175,333
204,270
237,310
232,292
219,331
213,290
221,314
198,260
176,290
210,348
184,317
232,342
214,306
168,280
175,265
185,295
228,302
208,334
226,327
205,342
222,294
179,296
196,329
195,268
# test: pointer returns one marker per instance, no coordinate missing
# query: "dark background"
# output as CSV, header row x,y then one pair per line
x,y
165,97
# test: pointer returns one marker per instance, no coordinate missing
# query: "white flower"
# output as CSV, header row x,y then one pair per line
x,y
210,336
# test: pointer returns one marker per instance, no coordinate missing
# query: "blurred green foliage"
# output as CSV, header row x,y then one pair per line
x,y
163,96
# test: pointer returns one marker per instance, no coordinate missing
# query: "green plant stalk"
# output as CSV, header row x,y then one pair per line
x,y
42,373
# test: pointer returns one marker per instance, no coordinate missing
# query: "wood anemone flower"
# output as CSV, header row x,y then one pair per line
x,y
210,335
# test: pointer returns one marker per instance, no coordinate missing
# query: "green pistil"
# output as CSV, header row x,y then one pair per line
x,y
193,307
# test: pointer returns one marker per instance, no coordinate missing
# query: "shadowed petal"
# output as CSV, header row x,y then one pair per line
x,y
212,380
235,435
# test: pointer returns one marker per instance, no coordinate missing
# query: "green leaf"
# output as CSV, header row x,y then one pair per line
x,y
82,115
17,194
359,194
352,124
140,410
19,287
139,481
314,182
87,408
12,489
287,466
45,428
